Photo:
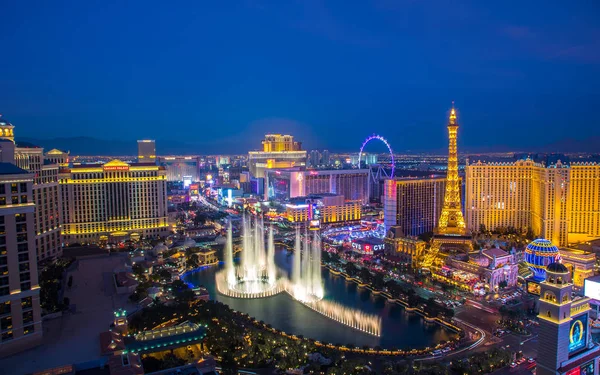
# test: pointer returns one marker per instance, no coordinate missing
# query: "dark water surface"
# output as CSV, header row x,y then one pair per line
x,y
400,328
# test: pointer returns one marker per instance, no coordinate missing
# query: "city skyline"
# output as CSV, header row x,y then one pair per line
x,y
307,186
320,72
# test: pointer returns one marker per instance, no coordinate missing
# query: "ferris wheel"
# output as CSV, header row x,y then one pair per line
x,y
381,139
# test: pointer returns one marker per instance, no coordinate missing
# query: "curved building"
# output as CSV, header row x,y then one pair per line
x,y
538,255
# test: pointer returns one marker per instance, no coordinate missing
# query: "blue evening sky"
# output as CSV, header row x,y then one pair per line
x,y
222,73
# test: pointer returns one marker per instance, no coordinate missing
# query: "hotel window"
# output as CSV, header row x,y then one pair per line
x,y
27,317
6,323
7,335
28,330
23,187
5,308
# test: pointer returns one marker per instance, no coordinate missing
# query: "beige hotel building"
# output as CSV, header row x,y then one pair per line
x,y
111,201
45,192
279,151
20,312
559,202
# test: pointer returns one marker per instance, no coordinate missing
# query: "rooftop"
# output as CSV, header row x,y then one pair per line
x,y
495,252
9,168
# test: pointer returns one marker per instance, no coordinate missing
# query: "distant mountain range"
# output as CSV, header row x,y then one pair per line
x,y
96,146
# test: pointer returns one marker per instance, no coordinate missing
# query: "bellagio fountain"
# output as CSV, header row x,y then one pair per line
x,y
257,276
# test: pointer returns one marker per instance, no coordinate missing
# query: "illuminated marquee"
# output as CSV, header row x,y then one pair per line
x,y
368,248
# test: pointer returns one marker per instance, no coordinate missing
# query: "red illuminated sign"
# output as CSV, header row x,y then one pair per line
x,y
575,371
117,168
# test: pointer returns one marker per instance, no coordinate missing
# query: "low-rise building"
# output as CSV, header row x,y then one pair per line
x,y
328,208
408,249
496,268
207,256
580,262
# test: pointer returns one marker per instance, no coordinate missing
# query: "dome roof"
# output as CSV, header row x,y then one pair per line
x,y
480,260
542,246
160,247
4,122
538,255
557,268
189,242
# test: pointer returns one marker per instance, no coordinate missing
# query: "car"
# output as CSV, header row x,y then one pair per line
x,y
513,365
530,360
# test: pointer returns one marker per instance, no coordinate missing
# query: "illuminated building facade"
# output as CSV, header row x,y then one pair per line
x,y
328,208
45,192
496,268
413,204
352,184
146,151
565,342
20,312
580,263
47,201
178,167
408,249
559,202
279,151
584,198
105,202
59,157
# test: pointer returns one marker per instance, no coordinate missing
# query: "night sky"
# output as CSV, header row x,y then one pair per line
x,y
220,74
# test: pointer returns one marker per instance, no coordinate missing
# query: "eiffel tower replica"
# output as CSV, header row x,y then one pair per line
x,y
451,235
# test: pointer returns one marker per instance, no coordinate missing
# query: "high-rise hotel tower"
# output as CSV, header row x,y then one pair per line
x,y
113,200
279,151
45,193
20,312
560,201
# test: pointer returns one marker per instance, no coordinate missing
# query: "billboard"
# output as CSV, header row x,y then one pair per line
x,y
367,248
578,333
587,369
591,289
